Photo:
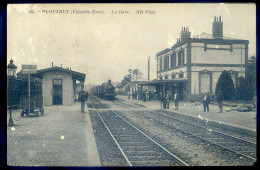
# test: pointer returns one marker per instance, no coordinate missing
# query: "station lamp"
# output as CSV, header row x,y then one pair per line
x,y
11,74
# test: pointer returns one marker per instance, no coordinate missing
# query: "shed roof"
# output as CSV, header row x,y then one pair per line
x,y
75,75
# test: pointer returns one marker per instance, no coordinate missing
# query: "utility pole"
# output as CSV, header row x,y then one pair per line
x,y
149,68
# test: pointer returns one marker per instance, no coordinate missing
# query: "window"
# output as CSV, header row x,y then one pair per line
x,y
173,60
166,63
182,58
57,82
205,81
160,64
181,75
179,58
173,76
166,77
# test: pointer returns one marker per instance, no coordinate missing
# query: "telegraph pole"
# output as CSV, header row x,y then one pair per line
x,y
29,93
149,68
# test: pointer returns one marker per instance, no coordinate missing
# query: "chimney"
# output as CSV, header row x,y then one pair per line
x,y
217,28
61,65
51,64
185,34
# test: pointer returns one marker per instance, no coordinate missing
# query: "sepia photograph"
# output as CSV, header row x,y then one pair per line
x,y
131,85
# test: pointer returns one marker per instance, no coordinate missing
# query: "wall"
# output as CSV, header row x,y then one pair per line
x,y
216,72
67,87
210,56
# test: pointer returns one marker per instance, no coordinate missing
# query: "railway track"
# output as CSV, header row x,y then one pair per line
x,y
137,147
240,147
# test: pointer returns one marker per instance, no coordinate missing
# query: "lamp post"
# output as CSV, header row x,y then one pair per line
x,y
11,73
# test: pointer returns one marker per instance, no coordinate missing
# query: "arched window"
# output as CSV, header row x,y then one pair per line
x,y
205,81
173,76
166,77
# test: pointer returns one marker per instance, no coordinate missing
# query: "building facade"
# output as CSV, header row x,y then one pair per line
x,y
193,65
59,85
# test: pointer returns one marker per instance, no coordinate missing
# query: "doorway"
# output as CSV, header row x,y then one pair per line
x,y
57,92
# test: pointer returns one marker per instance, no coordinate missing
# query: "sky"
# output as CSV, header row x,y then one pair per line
x,y
104,46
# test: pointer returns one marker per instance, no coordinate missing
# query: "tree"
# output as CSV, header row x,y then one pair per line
x,y
251,78
226,86
240,90
136,73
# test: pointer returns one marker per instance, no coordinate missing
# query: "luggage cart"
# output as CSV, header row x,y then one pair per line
x,y
35,105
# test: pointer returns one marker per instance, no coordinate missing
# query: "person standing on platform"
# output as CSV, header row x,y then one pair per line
x,y
146,95
220,100
82,100
168,99
128,95
161,99
206,101
176,100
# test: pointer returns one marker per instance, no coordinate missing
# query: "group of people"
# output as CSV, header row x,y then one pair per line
x,y
143,95
206,100
165,100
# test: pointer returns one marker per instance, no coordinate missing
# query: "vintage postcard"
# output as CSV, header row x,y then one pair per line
x,y
167,84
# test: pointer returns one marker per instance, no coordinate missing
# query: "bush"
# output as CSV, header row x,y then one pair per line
x,y
226,86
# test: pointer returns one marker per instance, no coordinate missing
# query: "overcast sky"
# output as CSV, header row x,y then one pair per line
x,y
105,46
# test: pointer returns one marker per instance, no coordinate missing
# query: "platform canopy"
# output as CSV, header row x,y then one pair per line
x,y
153,82
75,75
168,81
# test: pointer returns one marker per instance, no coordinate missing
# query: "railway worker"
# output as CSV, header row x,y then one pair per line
x,y
86,96
220,100
206,101
160,97
147,95
129,95
143,96
176,99
82,100
168,99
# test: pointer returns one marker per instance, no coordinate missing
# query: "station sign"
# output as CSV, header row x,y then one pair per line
x,y
32,69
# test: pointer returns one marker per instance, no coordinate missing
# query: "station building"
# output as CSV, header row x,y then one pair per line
x,y
59,85
193,65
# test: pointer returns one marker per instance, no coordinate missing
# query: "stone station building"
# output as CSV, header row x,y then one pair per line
x,y
193,65
59,85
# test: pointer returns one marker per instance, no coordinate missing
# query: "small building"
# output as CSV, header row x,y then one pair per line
x,y
59,85
193,65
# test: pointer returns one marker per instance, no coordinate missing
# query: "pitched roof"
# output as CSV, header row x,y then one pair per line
x,y
75,75
210,36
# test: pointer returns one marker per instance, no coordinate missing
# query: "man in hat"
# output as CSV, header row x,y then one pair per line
x,y
82,100
176,99
161,99
220,100
206,101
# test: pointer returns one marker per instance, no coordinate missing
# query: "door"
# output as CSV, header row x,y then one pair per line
x,y
57,92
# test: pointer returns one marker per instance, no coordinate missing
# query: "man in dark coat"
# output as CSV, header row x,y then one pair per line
x,y
168,99
176,99
220,100
161,99
82,100
206,101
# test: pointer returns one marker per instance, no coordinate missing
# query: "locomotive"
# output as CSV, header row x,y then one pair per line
x,y
105,90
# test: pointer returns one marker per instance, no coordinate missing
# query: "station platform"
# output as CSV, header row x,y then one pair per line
x,y
63,136
245,120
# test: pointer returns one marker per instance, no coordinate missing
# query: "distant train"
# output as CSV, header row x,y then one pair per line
x,y
105,90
